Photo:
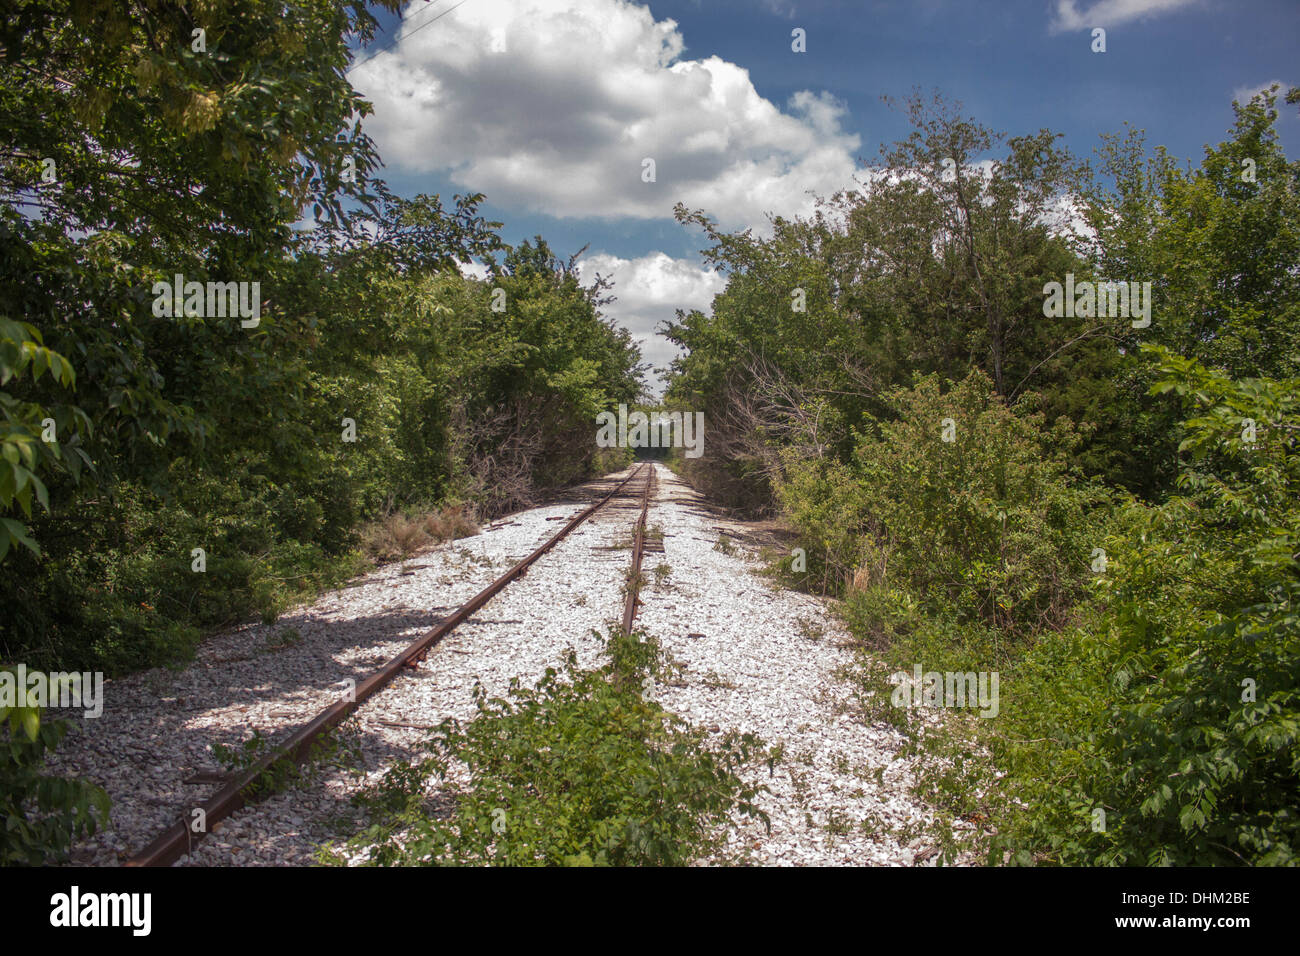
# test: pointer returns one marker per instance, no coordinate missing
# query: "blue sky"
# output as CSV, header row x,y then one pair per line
x,y
549,106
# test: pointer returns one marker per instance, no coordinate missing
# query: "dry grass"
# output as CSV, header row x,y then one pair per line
x,y
870,574
453,521
400,536
861,579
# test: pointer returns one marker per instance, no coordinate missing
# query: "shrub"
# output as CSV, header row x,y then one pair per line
x,y
1176,709
42,813
989,529
580,769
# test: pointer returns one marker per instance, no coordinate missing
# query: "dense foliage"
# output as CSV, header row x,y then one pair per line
x,y
43,812
168,467
986,528
1105,511
1184,684
376,377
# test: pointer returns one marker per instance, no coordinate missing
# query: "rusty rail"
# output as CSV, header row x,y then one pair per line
x,y
638,544
180,837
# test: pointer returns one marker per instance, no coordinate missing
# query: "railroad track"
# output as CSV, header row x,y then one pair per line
x,y
181,836
638,547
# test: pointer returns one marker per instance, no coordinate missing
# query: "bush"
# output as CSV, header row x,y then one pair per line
x,y
989,529
579,770
401,535
1176,709
42,813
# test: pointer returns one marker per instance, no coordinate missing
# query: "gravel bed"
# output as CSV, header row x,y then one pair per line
x,y
158,726
754,659
762,659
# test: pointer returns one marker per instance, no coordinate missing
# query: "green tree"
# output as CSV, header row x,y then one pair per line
x,y
1176,708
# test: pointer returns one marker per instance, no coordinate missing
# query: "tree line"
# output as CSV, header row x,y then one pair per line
x,y
1101,507
172,461
163,473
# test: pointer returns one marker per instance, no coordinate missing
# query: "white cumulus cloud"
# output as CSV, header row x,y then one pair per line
x,y
650,289
1110,13
553,105
1244,94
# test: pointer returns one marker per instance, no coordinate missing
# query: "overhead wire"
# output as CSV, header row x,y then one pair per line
x,y
397,38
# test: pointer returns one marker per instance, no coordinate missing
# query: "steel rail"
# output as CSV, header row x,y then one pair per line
x,y
638,544
180,837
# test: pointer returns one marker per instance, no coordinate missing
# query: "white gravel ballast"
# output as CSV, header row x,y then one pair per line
x,y
767,660
754,658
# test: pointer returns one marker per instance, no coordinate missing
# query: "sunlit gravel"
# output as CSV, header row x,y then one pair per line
x,y
754,658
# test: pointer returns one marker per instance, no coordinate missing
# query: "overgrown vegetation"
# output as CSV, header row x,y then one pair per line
x,y
169,467
1103,512
583,769
1182,688
43,813
377,384
401,535
339,749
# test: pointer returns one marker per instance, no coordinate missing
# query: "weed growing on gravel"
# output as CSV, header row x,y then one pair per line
x,y
474,557
810,629
724,546
952,768
715,681
339,749
653,535
634,581
661,573
282,640
837,823
580,769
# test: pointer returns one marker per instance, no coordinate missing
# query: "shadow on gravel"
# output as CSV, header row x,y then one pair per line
x,y
276,673
284,684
